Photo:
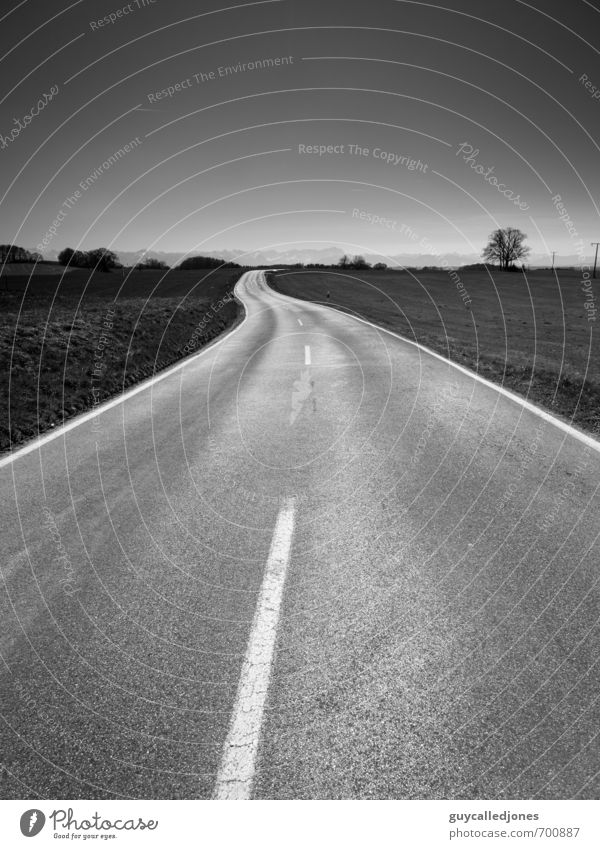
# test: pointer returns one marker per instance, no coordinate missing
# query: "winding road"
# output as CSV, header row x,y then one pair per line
x,y
312,561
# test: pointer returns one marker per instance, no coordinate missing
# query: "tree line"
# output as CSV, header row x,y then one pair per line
x,y
102,259
506,246
13,253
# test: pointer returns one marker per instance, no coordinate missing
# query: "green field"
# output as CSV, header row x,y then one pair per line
x,y
68,343
530,333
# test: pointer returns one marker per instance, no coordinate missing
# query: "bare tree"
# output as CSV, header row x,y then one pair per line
x,y
506,246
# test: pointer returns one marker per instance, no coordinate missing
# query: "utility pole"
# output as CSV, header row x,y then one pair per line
x,y
553,255
596,257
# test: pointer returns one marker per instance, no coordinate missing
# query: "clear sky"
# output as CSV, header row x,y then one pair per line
x,y
224,160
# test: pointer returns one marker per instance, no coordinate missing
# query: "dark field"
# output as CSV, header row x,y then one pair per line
x,y
529,333
59,356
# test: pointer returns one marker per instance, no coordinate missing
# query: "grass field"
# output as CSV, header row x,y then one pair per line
x,y
529,333
68,343
26,268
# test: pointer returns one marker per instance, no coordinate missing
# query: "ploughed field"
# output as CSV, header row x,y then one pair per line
x,y
69,342
532,333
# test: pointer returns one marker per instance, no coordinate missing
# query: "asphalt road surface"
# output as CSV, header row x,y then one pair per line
x,y
314,562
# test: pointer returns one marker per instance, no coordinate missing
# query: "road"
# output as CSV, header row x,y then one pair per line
x,y
377,572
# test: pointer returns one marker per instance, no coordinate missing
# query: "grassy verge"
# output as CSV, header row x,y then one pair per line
x,y
67,344
532,335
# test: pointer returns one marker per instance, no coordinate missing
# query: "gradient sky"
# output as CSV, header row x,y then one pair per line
x,y
219,165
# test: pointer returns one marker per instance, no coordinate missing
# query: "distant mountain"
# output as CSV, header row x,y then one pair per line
x,y
269,257
326,256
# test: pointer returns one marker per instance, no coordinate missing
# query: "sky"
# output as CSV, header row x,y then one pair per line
x,y
380,127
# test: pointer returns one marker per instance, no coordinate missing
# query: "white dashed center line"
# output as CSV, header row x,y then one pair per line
x,y
238,763
307,355
299,322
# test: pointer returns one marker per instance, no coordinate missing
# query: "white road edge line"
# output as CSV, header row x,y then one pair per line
x,y
36,444
238,762
528,405
307,355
